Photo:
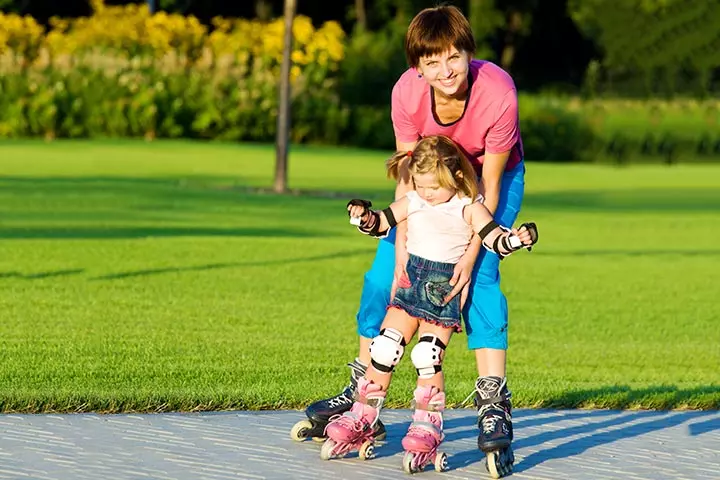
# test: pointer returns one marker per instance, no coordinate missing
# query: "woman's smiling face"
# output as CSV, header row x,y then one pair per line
x,y
446,72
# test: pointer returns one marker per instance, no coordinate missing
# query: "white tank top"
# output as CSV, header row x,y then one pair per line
x,y
437,232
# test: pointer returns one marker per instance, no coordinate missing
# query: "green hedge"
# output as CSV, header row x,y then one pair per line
x,y
145,102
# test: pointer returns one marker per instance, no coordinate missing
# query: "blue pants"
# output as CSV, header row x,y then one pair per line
x,y
485,312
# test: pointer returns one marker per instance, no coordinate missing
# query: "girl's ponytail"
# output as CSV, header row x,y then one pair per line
x,y
393,163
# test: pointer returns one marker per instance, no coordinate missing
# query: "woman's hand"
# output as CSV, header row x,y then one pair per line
x,y
460,281
400,277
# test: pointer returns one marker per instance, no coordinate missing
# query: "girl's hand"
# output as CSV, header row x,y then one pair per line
x,y
527,233
359,209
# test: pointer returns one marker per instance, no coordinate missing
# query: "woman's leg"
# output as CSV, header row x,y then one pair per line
x,y
486,312
375,295
486,321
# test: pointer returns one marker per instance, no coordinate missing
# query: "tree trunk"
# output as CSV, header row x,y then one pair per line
x,y
264,10
515,23
283,123
361,14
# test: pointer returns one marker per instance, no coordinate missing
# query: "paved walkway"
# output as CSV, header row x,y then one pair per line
x,y
550,444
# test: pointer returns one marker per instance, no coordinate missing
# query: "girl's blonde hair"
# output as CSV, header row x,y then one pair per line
x,y
438,154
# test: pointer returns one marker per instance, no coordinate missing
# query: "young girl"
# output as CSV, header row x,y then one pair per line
x,y
442,213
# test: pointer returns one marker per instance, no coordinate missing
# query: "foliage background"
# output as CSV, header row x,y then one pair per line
x,y
122,72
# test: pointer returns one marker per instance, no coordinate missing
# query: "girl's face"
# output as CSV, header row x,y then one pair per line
x,y
446,72
428,188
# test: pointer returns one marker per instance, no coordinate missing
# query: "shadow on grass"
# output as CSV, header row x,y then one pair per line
x,y
41,275
110,232
215,266
121,207
625,397
189,187
175,192
629,253
628,200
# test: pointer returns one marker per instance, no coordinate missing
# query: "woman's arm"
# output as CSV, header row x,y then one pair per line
x,y
500,140
491,182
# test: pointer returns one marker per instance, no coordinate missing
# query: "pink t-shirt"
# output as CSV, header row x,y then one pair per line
x,y
488,124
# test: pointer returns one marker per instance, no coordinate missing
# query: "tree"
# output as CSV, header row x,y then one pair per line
x,y
485,20
508,21
653,46
283,123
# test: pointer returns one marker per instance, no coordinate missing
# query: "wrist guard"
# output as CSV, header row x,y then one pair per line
x,y
371,225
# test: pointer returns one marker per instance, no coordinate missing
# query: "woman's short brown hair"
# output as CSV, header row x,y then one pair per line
x,y
436,30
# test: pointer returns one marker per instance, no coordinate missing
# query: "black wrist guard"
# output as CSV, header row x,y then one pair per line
x,y
366,204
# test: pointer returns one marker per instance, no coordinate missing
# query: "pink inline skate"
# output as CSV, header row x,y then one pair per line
x,y
426,432
355,429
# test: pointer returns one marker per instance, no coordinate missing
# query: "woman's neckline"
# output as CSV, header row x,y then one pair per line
x,y
467,101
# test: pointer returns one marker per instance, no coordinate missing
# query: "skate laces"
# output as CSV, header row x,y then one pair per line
x,y
341,399
488,421
426,426
349,420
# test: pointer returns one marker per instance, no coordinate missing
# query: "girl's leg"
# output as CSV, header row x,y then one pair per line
x,y
432,341
396,320
373,305
426,430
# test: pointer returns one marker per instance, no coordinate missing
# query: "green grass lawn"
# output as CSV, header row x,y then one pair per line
x,y
150,277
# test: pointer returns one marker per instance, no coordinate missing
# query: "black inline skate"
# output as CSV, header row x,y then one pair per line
x,y
492,399
320,412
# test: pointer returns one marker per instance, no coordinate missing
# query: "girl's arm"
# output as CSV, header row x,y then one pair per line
x,y
377,222
498,239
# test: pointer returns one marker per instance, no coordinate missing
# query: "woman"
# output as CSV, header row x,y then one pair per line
x,y
474,102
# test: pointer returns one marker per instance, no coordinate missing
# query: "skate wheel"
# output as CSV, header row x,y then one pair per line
x,y
408,463
367,450
500,463
327,448
319,439
300,430
441,462
492,464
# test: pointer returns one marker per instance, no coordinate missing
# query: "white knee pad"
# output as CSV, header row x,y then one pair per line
x,y
387,349
427,355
